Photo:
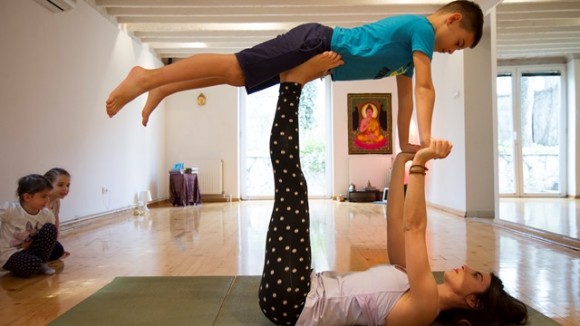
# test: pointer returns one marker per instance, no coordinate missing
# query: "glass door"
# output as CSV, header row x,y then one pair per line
x,y
531,132
257,114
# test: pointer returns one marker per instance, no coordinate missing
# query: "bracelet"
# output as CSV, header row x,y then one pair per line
x,y
423,170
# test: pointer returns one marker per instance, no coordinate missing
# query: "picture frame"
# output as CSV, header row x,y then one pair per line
x,y
370,128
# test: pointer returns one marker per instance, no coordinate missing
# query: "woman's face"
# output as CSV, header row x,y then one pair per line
x,y
61,186
465,280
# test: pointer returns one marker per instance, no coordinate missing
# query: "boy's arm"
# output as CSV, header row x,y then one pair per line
x,y
424,95
405,99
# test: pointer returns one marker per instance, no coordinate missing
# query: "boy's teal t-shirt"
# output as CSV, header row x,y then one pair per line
x,y
383,48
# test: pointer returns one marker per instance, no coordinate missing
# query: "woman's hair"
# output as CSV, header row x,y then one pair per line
x,y
32,184
54,173
472,17
494,307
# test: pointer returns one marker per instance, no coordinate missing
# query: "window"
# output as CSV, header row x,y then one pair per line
x,y
256,119
531,131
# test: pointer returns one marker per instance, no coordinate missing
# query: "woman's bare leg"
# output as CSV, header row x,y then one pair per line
x,y
199,66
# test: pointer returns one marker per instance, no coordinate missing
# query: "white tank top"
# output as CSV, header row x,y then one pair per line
x,y
357,298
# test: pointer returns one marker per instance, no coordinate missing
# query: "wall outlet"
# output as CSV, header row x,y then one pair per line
x,y
104,190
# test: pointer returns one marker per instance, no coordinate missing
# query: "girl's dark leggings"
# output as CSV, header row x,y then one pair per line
x,y
26,263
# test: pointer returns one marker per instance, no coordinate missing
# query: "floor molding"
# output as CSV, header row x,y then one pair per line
x,y
535,233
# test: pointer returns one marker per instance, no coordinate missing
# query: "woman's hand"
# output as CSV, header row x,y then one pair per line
x,y
438,148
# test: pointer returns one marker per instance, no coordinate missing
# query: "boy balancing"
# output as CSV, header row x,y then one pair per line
x,y
394,46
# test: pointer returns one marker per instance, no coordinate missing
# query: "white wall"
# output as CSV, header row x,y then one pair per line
x,y
480,104
56,73
340,91
464,110
446,180
573,125
205,132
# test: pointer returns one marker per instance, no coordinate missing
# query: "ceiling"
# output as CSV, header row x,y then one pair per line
x,y
179,28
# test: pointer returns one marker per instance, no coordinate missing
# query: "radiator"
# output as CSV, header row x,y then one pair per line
x,y
375,169
210,175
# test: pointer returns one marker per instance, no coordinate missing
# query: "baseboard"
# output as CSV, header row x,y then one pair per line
x,y
69,225
532,232
217,198
446,209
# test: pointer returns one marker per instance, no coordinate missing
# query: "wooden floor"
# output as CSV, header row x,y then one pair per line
x,y
228,239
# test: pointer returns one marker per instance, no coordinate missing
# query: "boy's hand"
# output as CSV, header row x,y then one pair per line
x,y
405,156
425,142
409,148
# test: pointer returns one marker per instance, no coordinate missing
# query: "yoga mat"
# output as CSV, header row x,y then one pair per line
x,y
172,301
185,300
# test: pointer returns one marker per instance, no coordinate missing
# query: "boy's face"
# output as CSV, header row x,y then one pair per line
x,y
451,37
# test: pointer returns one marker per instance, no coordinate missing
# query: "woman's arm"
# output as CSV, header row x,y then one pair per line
x,y
423,288
395,202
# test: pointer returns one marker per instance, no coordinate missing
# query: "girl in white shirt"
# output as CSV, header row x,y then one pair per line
x,y
27,232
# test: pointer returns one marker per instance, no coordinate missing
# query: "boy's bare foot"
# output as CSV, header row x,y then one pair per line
x,y
154,97
315,67
128,90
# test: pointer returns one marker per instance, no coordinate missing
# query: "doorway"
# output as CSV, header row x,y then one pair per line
x,y
531,131
256,116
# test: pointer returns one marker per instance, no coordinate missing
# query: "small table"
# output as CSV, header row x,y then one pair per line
x,y
183,189
364,196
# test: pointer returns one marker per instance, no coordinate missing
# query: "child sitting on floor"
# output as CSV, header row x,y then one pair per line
x,y
27,232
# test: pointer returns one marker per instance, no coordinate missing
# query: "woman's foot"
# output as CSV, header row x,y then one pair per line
x,y
128,90
316,67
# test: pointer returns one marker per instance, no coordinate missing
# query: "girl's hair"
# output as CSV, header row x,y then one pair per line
x,y
32,184
472,17
54,173
494,307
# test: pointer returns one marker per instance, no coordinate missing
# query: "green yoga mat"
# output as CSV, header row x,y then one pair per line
x,y
184,300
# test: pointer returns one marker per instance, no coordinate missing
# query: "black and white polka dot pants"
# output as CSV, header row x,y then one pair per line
x,y
26,263
286,277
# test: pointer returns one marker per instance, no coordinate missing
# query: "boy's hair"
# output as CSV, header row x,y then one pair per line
x,y
53,173
32,184
472,17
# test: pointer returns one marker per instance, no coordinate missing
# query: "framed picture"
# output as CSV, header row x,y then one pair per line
x,y
370,128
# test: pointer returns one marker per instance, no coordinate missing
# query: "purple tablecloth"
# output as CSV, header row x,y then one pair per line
x,y
184,189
